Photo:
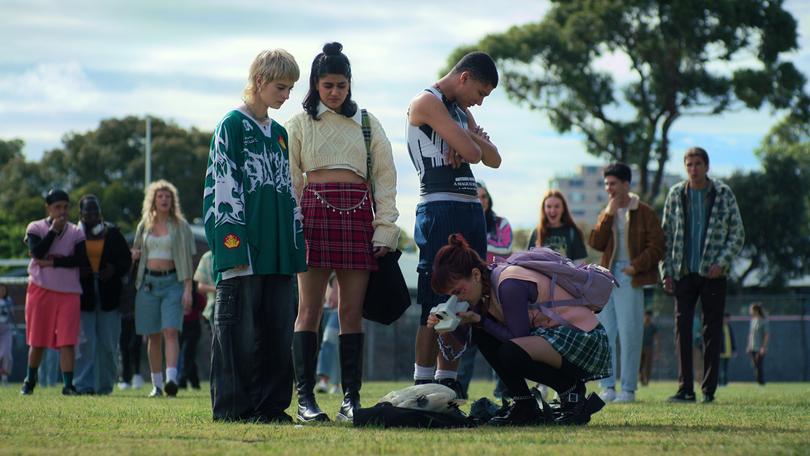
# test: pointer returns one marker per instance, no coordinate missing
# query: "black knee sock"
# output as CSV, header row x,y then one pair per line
x,y
523,366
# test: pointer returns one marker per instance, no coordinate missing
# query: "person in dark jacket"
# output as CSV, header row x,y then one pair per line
x,y
108,260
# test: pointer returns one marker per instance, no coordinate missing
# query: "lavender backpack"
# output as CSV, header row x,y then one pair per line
x,y
590,285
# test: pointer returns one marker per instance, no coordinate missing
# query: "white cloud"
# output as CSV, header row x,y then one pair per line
x,y
75,63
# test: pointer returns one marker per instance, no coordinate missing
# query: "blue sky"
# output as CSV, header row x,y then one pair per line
x,y
66,65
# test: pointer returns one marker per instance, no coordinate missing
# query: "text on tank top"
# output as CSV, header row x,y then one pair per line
x,y
427,150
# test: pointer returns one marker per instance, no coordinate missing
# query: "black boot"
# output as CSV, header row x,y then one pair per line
x,y
524,411
305,355
575,408
351,373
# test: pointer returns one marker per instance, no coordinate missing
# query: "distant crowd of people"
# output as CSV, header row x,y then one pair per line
x,y
296,218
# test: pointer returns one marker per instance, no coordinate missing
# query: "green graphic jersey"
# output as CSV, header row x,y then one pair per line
x,y
251,216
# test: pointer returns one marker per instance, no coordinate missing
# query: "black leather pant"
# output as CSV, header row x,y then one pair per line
x,y
251,362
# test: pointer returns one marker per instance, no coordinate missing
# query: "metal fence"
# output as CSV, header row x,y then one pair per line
x,y
390,349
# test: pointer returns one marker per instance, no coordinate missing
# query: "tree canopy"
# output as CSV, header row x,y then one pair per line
x,y
685,58
108,162
775,207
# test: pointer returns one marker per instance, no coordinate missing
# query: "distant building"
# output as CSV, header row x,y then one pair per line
x,y
585,191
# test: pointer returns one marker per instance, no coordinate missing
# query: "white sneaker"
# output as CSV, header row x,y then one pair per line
x,y
625,397
608,394
123,385
137,381
322,386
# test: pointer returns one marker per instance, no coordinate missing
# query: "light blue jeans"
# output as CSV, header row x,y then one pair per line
x,y
623,316
97,364
328,358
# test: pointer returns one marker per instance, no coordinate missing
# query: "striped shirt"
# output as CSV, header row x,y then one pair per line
x,y
438,180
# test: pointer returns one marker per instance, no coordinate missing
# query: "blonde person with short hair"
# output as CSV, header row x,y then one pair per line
x,y
163,246
253,227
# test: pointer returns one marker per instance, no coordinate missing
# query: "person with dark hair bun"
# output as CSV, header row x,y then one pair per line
x,y
444,141
520,342
344,177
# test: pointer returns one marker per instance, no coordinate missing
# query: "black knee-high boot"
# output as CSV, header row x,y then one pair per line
x,y
524,411
351,373
305,355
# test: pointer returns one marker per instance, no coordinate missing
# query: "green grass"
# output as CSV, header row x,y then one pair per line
x,y
745,419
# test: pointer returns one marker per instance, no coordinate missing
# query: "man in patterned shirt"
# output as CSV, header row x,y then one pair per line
x,y
704,232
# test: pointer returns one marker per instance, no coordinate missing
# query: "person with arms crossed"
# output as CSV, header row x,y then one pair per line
x,y
443,141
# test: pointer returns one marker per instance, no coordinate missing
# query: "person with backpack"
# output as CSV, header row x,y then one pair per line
x,y
631,240
533,318
557,229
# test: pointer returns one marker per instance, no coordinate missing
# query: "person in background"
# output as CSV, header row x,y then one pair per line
x,y
499,246
499,231
704,233
130,344
758,335
109,260
6,335
631,240
53,298
728,350
188,372
557,229
328,368
648,344
206,283
346,183
164,245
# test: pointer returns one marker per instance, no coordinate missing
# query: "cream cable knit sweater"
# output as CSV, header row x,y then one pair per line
x,y
336,141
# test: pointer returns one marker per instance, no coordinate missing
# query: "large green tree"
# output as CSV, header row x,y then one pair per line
x,y
685,57
775,207
109,162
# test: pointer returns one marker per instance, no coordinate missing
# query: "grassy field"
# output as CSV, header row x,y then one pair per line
x,y
744,420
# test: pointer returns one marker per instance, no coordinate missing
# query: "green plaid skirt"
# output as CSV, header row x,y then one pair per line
x,y
590,351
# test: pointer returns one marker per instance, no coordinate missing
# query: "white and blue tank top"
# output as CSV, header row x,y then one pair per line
x,y
438,180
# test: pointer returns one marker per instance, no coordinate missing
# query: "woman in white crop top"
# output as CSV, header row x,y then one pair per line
x,y
164,245
329,153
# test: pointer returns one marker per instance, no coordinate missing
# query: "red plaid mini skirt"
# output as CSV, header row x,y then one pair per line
x,y
337,226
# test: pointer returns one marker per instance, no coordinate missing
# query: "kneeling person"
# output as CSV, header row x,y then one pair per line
x,y
520,342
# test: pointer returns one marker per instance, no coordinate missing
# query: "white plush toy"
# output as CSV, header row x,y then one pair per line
x,y
432,397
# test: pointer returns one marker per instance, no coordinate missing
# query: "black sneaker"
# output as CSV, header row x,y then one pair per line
x,y
69,391
682,396
156,392
171,389
27,389
708,398
454,385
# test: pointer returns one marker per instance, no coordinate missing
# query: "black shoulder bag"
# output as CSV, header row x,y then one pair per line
x,y
387,295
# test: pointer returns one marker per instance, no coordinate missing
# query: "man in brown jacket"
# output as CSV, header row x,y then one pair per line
x,y
632,243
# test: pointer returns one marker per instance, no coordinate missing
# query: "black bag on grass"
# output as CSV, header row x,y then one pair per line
x,y
387,416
